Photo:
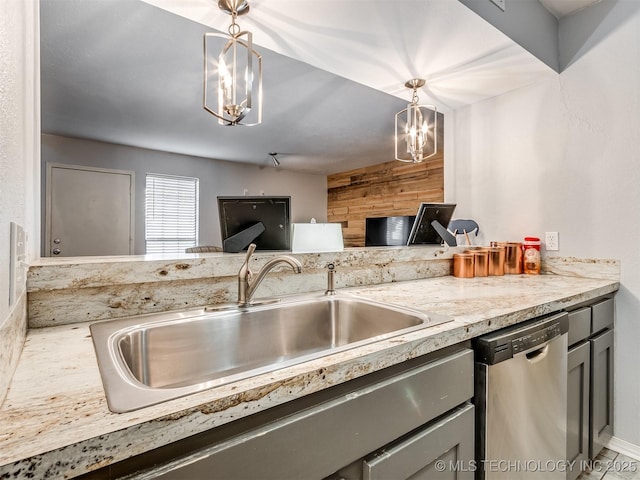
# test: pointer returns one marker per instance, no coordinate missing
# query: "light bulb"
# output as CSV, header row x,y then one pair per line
x,y
225,77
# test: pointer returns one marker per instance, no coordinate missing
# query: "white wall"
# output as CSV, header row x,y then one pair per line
x,y
308,191
19,130
564,156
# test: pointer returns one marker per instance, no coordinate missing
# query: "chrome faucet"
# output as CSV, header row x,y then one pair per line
x,y
247,287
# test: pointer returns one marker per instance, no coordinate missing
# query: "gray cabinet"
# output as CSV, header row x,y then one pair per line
x,y
418,410
578,384
589,382
441,451
601,416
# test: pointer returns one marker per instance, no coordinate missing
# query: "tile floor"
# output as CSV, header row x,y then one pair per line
x,y
610,465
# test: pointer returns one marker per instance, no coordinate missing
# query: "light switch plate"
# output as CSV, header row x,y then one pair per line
x,y
17,258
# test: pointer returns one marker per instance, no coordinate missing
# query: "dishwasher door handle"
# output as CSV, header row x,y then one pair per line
x,y
538,354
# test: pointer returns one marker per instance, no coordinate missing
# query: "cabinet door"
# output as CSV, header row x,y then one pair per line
x,y
442,451
601,421
578,378
602,315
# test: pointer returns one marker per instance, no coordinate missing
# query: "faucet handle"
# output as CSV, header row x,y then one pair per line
x,y
250,249
245,270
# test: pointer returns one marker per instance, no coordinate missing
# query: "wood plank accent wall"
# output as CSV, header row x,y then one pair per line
x,y
386,189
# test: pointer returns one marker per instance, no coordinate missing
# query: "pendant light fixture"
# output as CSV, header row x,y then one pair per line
x,y
416,128
238,88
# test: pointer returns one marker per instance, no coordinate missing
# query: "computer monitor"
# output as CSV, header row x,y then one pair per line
x,y
422,231
240,219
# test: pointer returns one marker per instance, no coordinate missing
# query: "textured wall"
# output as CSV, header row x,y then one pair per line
x,y
18,122
564,156
384,190
12,120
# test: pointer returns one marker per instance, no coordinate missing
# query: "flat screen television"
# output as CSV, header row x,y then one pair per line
x,y
387,231
240,219
422,232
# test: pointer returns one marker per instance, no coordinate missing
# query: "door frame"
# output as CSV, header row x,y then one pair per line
x,y
52,165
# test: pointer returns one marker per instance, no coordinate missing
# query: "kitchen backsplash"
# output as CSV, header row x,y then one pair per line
x,y
582,267
64,291
78,290
12,335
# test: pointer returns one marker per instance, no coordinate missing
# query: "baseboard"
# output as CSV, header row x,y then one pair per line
x,y
622,446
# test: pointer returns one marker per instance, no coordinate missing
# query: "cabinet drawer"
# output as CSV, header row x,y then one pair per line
x,y
602,315
579,325
449,442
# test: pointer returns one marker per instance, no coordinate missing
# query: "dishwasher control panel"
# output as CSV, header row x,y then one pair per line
x,y
534,339
504,344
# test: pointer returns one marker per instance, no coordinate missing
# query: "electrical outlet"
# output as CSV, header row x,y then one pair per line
x,y
500,4
551,241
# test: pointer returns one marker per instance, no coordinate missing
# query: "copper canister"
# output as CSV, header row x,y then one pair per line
x,y
513,258
463,265
481,261
496,261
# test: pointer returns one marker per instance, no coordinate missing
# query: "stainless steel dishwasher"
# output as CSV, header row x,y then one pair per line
x,y
521,400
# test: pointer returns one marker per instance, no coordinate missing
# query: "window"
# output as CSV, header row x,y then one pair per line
x,y
171,213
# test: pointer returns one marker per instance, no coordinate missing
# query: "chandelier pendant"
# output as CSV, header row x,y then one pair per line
x,y
239,73
416,136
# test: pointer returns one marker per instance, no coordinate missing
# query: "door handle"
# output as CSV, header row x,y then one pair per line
x,y
537,355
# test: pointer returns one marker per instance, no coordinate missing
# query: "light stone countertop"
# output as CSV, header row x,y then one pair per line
x,y
55,422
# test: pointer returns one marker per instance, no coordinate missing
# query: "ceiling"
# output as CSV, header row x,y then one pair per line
x,y
130,72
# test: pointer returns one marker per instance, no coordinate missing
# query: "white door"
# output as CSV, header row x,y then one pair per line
x,y
89,211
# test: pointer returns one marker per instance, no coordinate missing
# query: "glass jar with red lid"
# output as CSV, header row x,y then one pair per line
x,y
531,255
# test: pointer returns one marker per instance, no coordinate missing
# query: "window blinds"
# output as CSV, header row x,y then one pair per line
x,y
171,213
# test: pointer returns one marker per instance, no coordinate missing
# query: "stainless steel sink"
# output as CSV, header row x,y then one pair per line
x,y
149,359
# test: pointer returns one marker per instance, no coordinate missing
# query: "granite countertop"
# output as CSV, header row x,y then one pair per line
x,y
55,422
